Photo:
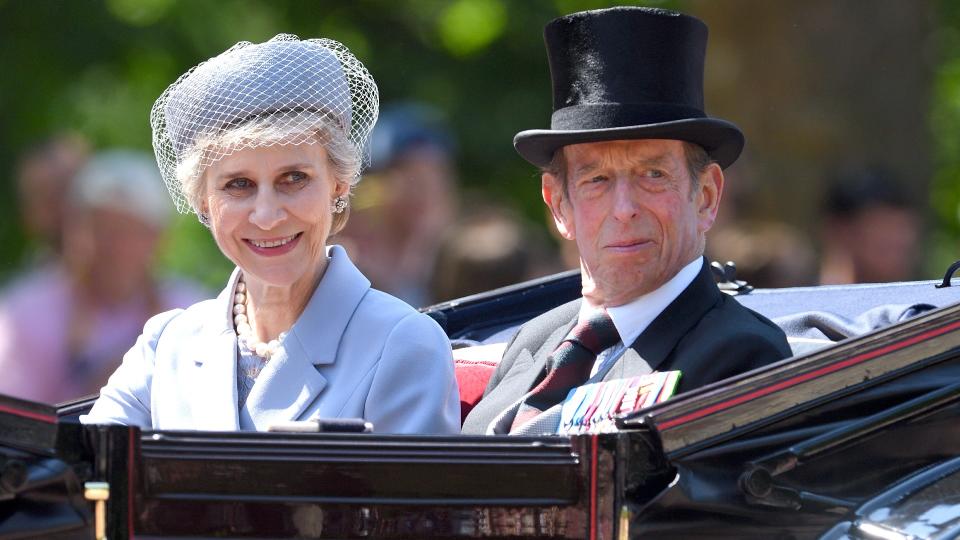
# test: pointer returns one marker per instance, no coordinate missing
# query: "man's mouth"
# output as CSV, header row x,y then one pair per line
x,y
628,244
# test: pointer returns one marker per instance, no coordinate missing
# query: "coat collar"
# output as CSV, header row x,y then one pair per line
x,y
316,335
538,363
663,334
214,401
290,382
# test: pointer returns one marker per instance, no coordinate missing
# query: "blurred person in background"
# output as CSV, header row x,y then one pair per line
x,y
490,248
65,325
406,202
871,229
767,254
43,176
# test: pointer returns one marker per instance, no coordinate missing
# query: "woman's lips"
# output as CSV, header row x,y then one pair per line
x,y
272,247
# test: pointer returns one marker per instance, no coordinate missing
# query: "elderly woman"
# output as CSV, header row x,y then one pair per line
x,y
264,142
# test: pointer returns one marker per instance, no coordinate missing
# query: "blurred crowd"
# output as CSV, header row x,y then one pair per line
x,y
869,231
96,220
418,235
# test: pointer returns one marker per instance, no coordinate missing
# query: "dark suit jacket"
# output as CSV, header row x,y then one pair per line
x,y
704,333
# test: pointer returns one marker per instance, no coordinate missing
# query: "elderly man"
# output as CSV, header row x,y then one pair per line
x,y
633,173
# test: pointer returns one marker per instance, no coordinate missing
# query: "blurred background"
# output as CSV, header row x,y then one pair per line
x,y
851,111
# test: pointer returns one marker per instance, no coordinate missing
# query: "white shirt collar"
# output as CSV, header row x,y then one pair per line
x,y
633,318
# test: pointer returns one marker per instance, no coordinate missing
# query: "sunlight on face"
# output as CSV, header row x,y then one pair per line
x,y
630,209
270,211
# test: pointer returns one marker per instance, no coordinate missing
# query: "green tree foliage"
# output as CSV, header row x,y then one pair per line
x,y
945,128
95,67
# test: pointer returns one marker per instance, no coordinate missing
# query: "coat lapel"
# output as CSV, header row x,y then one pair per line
x,y
525,372
213,401
285,387
661,337
630,364
544,354
293,378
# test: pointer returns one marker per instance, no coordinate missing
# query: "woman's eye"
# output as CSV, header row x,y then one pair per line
x,y
296,179
597,179
655,174
238,184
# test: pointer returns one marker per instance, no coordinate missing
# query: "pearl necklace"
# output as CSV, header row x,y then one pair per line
x,y
245,332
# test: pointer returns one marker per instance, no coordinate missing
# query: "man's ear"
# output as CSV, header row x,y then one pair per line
x,y
555,197
709,193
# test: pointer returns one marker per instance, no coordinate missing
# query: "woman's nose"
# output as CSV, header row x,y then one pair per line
x,y
267,211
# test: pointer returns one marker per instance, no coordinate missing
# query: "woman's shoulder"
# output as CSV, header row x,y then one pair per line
x,y
391,305
390,311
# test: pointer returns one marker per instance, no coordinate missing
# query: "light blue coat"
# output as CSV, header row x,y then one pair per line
x,y
355,352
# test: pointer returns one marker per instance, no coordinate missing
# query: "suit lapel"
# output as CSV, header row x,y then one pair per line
x,y
285,387
629,364
213,401
661,337
291,381
530,369
542,358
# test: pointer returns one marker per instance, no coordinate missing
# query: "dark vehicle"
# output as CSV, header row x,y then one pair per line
x,y
856,436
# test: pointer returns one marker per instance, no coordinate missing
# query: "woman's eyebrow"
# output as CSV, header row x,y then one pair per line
x,y
296,167
231,173
300,166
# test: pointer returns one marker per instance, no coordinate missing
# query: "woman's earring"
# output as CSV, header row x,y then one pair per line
x,y
203,219
339,204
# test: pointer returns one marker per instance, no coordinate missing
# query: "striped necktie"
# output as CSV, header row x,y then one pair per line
x,y
569,366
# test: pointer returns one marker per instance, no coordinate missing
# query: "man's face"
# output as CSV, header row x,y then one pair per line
x,y
634,212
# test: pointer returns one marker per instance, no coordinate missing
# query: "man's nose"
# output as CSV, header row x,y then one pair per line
x,y
625,200
267,210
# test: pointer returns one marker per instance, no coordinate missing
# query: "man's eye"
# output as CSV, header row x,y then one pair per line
x,y
598,179
655,174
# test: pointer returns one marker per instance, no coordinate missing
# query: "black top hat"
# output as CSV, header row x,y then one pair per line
x,y
628,73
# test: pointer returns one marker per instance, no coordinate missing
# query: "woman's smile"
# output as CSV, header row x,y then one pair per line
x,y
271,210
274,246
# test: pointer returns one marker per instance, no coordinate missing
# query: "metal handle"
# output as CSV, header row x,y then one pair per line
x,y
948,275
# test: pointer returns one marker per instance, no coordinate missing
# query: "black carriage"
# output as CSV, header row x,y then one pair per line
x,y
853,437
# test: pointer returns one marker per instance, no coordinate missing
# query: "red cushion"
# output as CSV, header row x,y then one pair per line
x,y
472,378
473,371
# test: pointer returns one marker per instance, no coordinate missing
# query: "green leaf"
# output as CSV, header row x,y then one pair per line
x,y
469,26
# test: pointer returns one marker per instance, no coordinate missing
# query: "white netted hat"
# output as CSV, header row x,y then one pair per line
x,y
283,79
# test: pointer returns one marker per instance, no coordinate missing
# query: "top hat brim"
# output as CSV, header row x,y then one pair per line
x,y
722,140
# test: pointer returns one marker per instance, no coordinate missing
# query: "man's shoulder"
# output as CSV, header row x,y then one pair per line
x,y
728,340
732,322
735,313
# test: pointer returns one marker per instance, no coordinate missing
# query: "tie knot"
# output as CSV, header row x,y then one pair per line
x,y
597,333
